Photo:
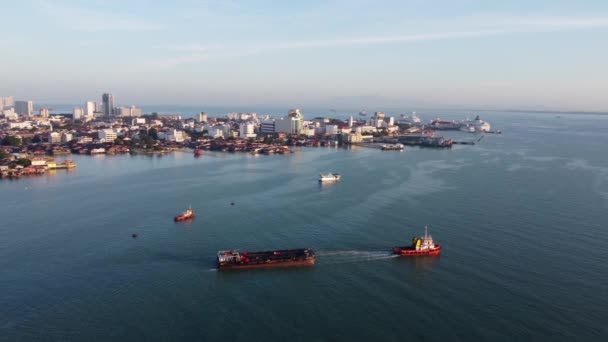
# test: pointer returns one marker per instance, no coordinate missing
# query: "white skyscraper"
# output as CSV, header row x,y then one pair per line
x,y
44,112
6,102
24,107
77,113
89,108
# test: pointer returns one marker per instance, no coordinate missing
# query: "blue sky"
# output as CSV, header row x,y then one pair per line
x,y
456,53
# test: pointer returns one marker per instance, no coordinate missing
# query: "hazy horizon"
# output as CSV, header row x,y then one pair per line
x,y
545,55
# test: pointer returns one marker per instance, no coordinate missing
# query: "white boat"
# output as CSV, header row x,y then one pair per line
x,y
476,125
329,177
409,120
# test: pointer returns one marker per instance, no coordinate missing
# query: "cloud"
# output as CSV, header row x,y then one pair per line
x,y
93,20
490,26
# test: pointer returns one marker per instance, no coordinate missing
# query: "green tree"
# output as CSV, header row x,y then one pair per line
x,y
11,140
3,154
153,133
24,162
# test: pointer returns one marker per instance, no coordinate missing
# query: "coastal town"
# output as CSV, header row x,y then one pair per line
x,y
30,139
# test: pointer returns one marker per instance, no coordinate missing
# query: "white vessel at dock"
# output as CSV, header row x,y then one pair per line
x,y
476,125
329,177
409,120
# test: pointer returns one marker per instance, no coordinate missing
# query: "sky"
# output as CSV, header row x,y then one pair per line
x,y
541,54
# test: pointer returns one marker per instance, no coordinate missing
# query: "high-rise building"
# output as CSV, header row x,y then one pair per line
x,y
6,102
108,104
89,108
246,130
77,113
24,107
202,117
127,111
98,107
44,112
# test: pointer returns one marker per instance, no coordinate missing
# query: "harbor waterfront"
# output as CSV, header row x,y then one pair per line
x,y
521,219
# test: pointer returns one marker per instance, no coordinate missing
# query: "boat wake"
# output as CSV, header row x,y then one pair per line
x,y
344,257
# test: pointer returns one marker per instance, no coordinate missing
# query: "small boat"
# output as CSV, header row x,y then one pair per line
x,y
419,247
198,152
186,215
329,177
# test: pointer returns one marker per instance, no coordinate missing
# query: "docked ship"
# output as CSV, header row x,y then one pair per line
x,y
476,125
445,125
436,142
420,246
186,215
392,147
409,120
233,259
329,177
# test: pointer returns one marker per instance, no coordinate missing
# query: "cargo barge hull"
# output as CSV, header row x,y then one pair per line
x,y
235,260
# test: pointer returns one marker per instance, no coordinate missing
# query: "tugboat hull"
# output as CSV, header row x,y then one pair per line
x,y
409,251
183,218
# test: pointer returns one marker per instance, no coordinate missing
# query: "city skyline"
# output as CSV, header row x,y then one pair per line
x,y
515,55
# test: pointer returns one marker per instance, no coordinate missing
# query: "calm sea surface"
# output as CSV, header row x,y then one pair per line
x,y
522,218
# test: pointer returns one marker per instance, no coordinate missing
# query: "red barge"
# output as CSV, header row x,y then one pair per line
x,y
186,215
420,246
230,260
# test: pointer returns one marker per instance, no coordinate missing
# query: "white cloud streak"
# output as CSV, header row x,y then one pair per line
x,y
492,26
88,20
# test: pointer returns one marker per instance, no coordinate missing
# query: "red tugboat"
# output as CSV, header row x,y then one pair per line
x,y
186,215
420,246
232,260
198,152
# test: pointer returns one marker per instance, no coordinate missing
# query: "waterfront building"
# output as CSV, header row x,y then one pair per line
x,y
267,127
309,131
66,137
175,135
24,107
352,138
54,138
202,117
107,135
246,130
83,139
331,129
77,113
89,108
38,161
289,125
43,112
108,104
